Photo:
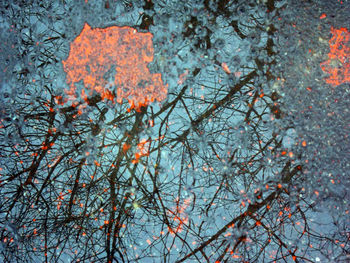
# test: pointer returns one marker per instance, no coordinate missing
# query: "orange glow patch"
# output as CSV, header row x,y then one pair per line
x,y
179,216
338,64
126,147
142,148
225,68
117,57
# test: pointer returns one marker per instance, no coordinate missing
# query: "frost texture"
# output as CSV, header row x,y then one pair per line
x,y
236,161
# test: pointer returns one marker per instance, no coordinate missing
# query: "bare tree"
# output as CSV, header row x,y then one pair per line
x,y
214,172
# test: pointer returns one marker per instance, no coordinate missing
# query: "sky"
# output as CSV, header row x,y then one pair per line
x,y
153,131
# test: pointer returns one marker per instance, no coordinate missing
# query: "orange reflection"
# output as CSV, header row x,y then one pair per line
x,y
114,57
143,150
179,216
338,64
